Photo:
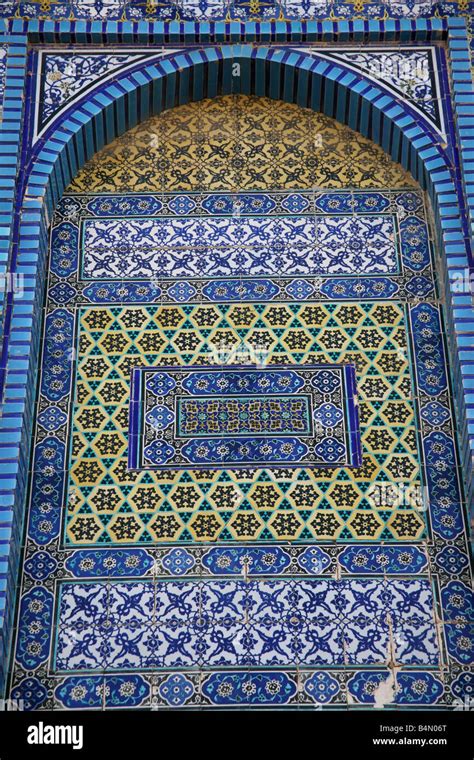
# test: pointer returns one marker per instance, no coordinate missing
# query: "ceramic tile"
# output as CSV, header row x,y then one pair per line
x,y
235,144
172,260
222,418
205,10
3,70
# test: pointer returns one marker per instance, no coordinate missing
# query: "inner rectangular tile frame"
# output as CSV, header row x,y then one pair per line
x,y
209,417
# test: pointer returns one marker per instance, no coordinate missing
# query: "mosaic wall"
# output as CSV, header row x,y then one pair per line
x,y
199,238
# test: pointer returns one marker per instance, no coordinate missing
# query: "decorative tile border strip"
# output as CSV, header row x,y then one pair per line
x,y
405,140
462,288
337,689
186,32
13,472
230,561
290,11
455,229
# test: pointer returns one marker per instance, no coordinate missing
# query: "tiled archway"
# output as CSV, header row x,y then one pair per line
x,y
260,622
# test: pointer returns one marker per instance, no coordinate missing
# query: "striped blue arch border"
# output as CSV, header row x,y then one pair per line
x,y
32,183
208,32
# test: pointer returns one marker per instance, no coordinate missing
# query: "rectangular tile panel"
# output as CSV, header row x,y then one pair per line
x,y
245,247
232,417
227,623
124,248
208,417
109,503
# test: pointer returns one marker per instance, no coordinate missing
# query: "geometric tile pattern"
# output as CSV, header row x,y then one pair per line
x,y
108,503
222,418
269,586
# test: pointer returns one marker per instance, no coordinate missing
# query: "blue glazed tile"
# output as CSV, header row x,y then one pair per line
x,y
226,417
176,690
314,640
100,692
415,688
377,253
249,689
